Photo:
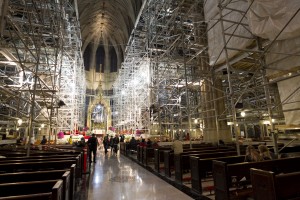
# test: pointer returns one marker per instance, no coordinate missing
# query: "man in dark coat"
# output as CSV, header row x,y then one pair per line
x,y
106,143
92,144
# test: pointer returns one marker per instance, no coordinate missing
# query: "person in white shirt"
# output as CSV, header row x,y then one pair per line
x,y
177,146
32,140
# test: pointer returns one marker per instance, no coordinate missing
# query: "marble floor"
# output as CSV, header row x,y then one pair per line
x,y
115,177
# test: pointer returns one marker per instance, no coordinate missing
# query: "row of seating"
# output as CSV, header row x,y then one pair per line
x,y
43,175
220,170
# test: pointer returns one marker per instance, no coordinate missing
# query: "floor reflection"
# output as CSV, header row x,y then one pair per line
x,y
114,177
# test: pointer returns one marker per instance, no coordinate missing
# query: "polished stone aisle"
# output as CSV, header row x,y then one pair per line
x,y
115,177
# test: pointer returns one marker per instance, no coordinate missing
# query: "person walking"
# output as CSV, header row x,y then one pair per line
x,y
105,143
92,144
111,144
116,143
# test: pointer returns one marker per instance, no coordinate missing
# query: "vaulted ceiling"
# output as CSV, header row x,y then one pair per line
x,y
107,22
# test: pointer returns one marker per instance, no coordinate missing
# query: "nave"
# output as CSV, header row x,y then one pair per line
x,y
115,177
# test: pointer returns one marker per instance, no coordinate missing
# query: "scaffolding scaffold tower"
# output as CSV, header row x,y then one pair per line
x,y
214,69
42,75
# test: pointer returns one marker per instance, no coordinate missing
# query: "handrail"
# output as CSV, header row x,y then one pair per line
x,y
287,144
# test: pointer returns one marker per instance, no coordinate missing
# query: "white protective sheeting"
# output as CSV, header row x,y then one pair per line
x,y
290,97
283,55
269,17
215,38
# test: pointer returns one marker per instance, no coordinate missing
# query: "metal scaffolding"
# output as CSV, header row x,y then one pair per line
x,y
42,75
165,52
209,71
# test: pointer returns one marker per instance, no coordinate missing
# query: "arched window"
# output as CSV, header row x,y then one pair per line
x,y
87,57
113,60
100,58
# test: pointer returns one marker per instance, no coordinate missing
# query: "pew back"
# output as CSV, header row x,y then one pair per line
x,y
268,186
26,188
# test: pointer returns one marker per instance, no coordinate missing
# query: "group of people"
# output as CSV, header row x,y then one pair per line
x,y
133,143
112,143
260,154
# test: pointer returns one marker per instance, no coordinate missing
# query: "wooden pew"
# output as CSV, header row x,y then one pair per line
x,y
20,153
50,189
77,158
182,161
269,186
65,175
159,157
138,152
148,154
232,181
156,154
38,196
29,159
38,157
200,168
169,158
35,166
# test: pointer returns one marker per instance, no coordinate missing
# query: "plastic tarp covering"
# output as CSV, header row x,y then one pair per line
x,y
282,56
269,17
215,38
289,91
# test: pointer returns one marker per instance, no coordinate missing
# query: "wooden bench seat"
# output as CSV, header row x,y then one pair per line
x,y
36,166
202,167
36,153
38,159
66,176
46,154
182,161
268,186
12,190
39,196
232,179
159,157
169,157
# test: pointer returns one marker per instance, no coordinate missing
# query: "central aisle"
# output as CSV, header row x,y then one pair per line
x,y
117,177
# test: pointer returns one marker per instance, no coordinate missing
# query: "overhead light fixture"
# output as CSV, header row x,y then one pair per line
x,y
20,121
243,114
